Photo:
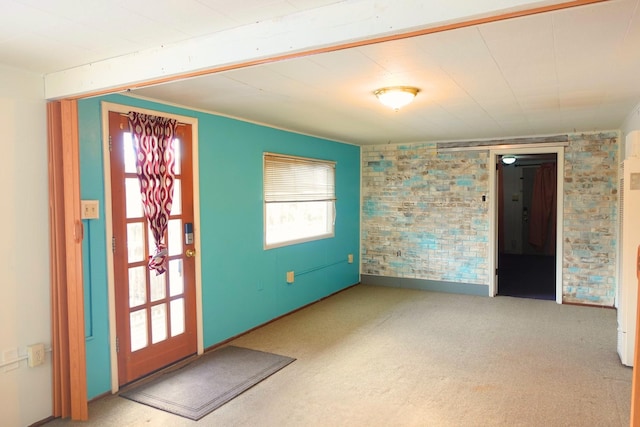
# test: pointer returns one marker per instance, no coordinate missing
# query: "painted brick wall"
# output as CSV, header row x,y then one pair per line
x,y
590,216
423,216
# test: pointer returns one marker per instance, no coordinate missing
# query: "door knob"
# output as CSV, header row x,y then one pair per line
x,y
190,253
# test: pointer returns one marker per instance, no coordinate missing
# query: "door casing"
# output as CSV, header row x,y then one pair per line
x,y
105,108
493,208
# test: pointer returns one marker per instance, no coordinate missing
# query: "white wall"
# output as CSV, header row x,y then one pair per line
x,y
631,133
25,393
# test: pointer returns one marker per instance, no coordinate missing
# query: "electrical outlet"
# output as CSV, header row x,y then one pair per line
x,y
290,276
350,258
9,355
35,355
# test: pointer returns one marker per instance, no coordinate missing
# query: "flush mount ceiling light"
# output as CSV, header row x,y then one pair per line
x,y
508,160
396,97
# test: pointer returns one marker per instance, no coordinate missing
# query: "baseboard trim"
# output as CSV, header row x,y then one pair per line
x,y
426,285
42,422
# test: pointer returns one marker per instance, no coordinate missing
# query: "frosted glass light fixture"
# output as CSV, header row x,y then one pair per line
x,y
396,97
508,160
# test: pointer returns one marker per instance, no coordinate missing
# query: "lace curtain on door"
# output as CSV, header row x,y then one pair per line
x,y
155,166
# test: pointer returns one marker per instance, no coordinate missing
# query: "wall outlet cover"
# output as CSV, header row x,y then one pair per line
x,y
35,355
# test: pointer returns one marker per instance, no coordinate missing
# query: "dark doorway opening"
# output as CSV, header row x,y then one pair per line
x,y
527,205
527,276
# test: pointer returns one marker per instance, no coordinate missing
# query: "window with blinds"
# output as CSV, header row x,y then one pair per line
x,y
299,199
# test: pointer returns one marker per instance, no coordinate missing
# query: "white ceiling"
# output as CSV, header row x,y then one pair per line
x,y
555,72
51,35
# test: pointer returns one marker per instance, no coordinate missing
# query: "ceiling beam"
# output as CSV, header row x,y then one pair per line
x,y
502,143
334,27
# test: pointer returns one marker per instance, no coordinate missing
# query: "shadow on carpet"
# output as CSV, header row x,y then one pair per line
x,y
209,382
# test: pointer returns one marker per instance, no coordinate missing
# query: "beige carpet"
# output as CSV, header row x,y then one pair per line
x,y
376,356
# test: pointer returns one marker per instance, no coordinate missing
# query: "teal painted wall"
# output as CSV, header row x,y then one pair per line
x,y
243,285
94,252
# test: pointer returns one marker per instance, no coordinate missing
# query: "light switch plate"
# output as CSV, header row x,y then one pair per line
x,y
89,209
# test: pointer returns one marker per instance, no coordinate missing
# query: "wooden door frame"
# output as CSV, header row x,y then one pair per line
x,y
105,108
544,148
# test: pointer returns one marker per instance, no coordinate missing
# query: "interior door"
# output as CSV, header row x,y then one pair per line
x,y
155,314
522,270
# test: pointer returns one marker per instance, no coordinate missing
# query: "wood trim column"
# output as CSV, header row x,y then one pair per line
x,y
635,383
67,295
59,337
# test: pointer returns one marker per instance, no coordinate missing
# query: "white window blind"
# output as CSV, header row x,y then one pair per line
x,y
299,197
296,179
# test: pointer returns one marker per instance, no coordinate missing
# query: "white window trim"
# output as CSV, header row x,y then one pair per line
x,y
331,234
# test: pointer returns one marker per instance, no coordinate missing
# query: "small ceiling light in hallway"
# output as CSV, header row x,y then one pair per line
x,y
396,97
508,160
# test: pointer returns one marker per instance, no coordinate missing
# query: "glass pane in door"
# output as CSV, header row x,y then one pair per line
x,y
157,285
177,152
175,236
158,323
176,277
176,201
138,322
135,241
129,153
137,286
133,199
177,317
